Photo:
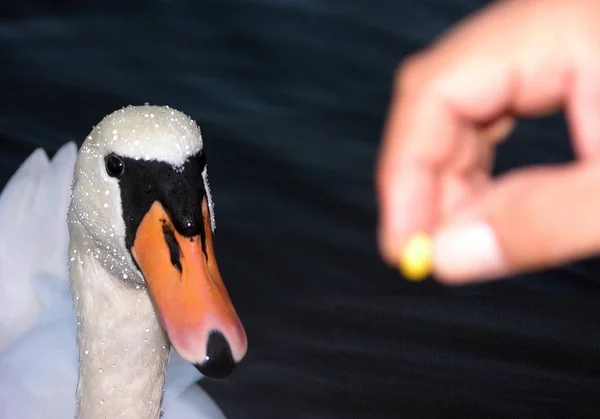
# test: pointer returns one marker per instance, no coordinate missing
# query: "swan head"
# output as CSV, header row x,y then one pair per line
x,y
141,197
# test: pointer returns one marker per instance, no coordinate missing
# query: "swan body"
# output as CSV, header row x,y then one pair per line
x,y
124,278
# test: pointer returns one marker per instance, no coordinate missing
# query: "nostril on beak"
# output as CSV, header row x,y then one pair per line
x,y
189,227
219,362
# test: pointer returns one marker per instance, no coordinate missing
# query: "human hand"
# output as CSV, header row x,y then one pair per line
x,y
454,102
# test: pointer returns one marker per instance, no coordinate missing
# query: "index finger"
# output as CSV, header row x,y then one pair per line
x,y
420,134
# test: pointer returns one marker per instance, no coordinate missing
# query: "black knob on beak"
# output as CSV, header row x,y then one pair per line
x,y
219,362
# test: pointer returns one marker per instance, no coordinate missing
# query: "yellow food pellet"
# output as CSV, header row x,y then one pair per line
x,y
416,259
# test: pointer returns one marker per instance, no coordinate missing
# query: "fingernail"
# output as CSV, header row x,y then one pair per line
x,y
467,253
393,231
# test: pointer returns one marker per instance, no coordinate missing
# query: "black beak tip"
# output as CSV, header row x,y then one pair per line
x,y
219,362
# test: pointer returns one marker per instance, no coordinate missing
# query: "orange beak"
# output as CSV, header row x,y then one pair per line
x,y
188,292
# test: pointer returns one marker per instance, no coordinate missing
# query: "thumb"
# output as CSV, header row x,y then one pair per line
x,y
530,219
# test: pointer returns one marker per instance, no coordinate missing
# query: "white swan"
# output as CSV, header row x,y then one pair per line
x,y
123,349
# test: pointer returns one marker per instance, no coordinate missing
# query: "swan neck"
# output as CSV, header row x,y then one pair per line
x,y
123,351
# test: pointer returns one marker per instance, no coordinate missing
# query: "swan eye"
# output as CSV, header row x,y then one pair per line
x,y
114,165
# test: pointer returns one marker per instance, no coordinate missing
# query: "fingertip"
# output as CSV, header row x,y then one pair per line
x,y
388,246
467,253
406,207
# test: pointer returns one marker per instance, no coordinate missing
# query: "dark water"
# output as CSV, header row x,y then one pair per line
x,y
291,96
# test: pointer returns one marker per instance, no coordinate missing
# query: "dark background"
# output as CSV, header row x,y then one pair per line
x,y
291,97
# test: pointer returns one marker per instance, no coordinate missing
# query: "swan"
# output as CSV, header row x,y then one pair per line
x,y
38,323
143,277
